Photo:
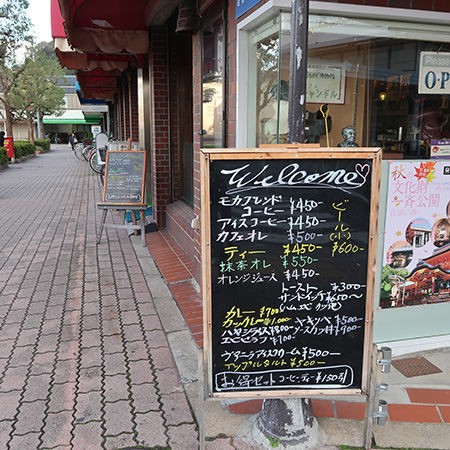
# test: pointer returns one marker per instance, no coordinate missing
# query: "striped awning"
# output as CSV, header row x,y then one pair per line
x,y
72,116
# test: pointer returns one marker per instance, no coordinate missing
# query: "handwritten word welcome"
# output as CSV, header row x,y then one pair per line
x,y
292,176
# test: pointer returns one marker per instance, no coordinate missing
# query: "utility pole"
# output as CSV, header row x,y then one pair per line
x,y
298,71
290,421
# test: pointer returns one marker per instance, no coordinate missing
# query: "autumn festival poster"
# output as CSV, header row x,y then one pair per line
x,y
416,255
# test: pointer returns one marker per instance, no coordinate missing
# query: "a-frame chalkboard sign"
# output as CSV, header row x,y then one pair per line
x,y
124,188
288,257
124,177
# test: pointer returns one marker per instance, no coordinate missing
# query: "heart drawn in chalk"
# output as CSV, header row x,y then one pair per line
x,y
362,170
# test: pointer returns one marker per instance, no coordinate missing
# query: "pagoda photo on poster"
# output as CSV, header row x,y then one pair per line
x,y
416,252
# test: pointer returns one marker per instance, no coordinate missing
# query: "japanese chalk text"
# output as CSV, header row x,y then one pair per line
x,y
289,267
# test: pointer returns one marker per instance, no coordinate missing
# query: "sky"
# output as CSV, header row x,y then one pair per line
x,y
39,13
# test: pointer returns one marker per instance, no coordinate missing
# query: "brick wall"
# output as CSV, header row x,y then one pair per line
x,y
174,127
134,129
124,111
160,136
423,405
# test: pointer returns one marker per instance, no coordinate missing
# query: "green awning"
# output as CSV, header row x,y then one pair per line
x,y
69,117
91,121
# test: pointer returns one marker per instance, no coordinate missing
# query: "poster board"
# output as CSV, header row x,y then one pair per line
x,y
124,177
416,252
288,268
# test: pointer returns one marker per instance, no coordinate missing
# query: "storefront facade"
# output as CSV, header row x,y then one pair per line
x,y
365,63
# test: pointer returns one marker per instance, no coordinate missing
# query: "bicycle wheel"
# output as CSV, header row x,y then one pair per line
x,y
87,152
78,150
90,152
93,162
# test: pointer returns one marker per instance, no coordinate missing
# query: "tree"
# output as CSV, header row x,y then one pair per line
x,y
35,92
15,28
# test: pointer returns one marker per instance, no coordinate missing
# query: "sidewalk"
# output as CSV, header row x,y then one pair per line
x,y
84,361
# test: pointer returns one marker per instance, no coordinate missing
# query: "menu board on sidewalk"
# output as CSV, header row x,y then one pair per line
x,y
124,177
288,252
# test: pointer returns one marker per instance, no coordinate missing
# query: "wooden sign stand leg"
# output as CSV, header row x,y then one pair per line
x,y
202,394
132,209
102,225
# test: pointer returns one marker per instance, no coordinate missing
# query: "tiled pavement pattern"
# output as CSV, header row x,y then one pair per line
x,y
84,363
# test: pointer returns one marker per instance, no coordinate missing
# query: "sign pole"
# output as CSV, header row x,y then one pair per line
x,y
274,411
298,71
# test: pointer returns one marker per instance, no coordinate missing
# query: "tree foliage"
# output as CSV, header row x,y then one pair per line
x,y
14,34
15,28
36,92
28,73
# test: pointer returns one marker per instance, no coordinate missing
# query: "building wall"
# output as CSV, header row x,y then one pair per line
x,y
160,159
230,14
134,126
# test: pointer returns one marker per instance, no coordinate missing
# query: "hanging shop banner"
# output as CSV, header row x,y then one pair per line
x,y
434,73
288,241
416,264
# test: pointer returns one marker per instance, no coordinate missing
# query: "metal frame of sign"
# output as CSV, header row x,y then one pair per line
x,y
296,154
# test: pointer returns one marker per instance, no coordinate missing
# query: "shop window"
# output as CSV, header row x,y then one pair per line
x,y
361,73
213,95
270,88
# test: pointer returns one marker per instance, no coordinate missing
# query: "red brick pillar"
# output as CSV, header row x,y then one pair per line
x,y
160,135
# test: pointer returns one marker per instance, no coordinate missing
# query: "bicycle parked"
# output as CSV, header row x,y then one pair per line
x,y
95,153
97,158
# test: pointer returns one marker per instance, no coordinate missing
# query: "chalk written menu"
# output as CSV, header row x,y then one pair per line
x,y
289,258
124,177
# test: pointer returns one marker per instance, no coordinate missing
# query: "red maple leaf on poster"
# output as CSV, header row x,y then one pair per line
x,y
425,170
422,171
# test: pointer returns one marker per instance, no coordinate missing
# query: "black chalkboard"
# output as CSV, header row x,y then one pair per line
x,y
124,177
289,243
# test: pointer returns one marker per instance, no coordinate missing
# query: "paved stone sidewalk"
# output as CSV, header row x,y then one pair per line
x,y
84,362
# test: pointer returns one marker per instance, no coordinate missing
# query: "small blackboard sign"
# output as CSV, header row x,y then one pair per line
x,y
124,177
288,243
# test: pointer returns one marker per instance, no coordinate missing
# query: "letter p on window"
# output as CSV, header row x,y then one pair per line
x,y
445,76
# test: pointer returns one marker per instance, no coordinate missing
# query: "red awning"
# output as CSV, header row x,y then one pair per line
x,y
106,36
98,83
137,15
57,21
107,41
89,61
